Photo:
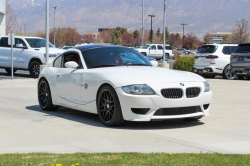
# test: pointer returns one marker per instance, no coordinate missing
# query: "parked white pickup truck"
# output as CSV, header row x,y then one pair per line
x,y
28,54
156,51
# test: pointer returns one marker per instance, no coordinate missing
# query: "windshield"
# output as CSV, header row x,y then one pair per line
x,y
113,56
37,42
145,46
242,49
207,49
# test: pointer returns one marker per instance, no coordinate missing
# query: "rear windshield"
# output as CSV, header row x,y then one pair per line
x,y
168,48
207,49
242,49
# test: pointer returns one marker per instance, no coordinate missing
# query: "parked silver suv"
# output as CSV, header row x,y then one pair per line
x,y
240,61
214,59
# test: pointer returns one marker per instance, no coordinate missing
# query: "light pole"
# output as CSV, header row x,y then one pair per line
x,y
47,31
55,24
24,26
183,34
164,31
151,32
142,23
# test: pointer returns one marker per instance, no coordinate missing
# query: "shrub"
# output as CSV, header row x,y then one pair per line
x,y
184,63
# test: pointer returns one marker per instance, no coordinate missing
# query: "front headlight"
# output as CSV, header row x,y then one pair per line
x,y
138,90
207,87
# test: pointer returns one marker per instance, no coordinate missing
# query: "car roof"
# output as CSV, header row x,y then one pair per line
x,y
91,46
24,37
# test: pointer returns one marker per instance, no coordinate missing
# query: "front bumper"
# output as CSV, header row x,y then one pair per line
x,y
244,71
207,70
157,102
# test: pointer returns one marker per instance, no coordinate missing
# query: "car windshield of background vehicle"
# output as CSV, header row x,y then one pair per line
x,y
207,49
242,49
145,46
37,43
112,57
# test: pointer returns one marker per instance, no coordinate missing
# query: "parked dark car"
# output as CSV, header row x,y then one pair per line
x,y
240,61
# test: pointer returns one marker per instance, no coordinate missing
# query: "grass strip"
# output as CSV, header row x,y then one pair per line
x,y
123,159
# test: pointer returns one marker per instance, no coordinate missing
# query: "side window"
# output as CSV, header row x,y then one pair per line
x,y
159,47
153,47
19,41
4,42
228,49
168,48
58,62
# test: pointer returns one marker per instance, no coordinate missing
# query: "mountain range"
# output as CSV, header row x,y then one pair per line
x,y
201,16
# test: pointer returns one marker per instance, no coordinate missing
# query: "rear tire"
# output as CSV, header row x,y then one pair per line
x,y
227,73
34,69
8,70
108,107
166,57
45,97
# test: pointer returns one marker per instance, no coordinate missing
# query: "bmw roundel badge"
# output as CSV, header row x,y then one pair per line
x,y
182,84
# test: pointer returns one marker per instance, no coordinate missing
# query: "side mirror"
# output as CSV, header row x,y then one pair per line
x,y
71,64
19,45
154,63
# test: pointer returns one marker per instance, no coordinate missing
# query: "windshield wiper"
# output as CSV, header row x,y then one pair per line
x,y
137,64
97,66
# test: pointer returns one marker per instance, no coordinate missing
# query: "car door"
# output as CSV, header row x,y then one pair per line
x,y
152,51
20,53
68,80
5,54
159,51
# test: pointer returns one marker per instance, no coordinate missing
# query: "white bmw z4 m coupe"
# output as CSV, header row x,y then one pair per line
x,y
119,84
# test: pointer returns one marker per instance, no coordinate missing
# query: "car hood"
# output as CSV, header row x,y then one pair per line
x,y
51,50
127,75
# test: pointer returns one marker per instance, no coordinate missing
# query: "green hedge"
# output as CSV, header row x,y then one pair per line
x,y
184,63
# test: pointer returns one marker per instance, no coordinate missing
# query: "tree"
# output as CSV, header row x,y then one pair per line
x,y
127,39
240,32
151,34
105,36
175,40
192,41
158,32
11,21
136,34
88,38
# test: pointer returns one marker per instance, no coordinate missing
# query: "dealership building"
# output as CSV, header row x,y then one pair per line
x,y
2,18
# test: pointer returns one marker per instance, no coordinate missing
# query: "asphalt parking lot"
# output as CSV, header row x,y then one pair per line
x,y
24,127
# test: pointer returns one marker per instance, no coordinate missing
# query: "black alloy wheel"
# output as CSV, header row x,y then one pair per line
x,y
44,96
34,69
8,70
227,73
108,107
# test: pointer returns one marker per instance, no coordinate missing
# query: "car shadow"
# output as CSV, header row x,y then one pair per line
x,y
15,75
93,120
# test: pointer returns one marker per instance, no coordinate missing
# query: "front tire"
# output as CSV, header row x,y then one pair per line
x,y
227,73
34,69
108,107
44,96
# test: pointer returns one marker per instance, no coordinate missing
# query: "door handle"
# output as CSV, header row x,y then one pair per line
x,y
58,75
